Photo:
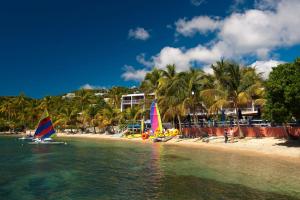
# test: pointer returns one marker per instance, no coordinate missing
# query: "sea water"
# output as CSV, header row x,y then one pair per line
x,y
106,169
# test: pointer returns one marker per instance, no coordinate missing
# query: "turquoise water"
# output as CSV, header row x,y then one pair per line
x,y
100,169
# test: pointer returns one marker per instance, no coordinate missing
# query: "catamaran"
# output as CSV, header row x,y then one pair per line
x,y
30,138
156,125
45,131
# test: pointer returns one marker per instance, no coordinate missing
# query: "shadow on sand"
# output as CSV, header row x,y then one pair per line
x,y
290,143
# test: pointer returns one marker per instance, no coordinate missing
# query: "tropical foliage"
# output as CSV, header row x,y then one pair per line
x,y
283,93
179,94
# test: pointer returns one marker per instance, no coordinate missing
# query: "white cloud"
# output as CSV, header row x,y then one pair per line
x,y
182,58
254,32
134,74
139,33
201,24
265,67
259,32
197,2
90,87
141,58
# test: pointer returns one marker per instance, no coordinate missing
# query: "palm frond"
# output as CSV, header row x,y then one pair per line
x,y
260,102
243,98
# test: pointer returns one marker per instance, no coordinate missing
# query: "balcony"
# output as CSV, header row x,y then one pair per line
x,y
134,101
245,111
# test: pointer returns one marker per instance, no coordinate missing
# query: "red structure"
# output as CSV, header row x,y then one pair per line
x,y
277,132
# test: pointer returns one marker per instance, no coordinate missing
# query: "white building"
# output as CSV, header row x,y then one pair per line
x,y
69,96
130,100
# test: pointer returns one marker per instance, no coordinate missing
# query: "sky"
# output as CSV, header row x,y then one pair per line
x,y
52,47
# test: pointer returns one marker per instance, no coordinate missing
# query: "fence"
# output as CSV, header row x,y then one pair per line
x,y
278,132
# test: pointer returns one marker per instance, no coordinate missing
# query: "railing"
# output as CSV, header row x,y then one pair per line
x,y
126,102
243,110
134,101
242,122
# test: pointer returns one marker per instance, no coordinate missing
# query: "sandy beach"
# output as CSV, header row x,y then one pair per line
x,y
265,146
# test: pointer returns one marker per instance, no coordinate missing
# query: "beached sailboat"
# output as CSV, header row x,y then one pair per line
x,y
156,124
45,131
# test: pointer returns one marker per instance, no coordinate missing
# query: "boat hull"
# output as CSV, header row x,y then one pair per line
x,y
162,139
47,142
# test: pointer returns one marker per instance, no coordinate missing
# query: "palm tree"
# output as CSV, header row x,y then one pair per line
x,y
91,117
109,117
84,97
171,94
32,112
152,81
173,107
45,103
8,108
168,76
21,103
115,95
192,82
231,89
67,117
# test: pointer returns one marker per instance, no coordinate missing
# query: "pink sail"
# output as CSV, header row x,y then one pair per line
x,y
155,118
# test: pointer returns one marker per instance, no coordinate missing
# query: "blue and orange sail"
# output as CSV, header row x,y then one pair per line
x,y
155,118
45,128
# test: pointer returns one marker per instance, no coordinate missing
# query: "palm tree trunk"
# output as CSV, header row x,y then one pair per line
x,y
195,117
241,134
173,122
9,117
286,131
179,123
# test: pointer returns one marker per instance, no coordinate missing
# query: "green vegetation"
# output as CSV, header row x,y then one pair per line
x,y
283,93
178,93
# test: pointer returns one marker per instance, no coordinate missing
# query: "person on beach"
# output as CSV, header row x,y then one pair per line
x,y
226,135
231,134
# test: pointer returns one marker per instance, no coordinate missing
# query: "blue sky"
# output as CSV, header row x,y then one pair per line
x,y
53,47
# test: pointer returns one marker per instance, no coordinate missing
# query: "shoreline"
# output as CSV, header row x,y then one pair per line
x,y
267,146
270,147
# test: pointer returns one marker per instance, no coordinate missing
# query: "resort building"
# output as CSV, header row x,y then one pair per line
x,y
131,100
69,96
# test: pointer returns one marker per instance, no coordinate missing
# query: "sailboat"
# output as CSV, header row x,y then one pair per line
x,y
45,131
156,124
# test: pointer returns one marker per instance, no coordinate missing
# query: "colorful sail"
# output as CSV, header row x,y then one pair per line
x,y
155,118
45,128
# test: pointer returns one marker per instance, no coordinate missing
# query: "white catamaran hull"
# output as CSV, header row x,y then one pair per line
x,y
45,141
26,138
